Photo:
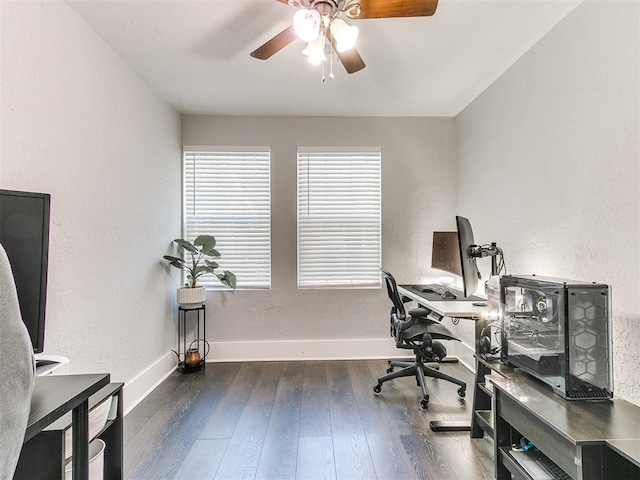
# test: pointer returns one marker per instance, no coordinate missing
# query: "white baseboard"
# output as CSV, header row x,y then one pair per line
x,y
141,385
304,350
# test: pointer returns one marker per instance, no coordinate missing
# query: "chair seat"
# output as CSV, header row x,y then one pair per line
x,y
433,328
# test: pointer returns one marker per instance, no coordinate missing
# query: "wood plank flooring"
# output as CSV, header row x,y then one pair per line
x,y
301,420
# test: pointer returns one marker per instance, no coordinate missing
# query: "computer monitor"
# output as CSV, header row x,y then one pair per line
x,y
470,273
445,252
24,234
469,252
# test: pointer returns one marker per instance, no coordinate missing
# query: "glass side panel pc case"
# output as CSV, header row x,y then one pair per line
x,y
559,331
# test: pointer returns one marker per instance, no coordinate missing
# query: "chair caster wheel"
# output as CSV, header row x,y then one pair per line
x,y
462,392
377,389
424,404
390,370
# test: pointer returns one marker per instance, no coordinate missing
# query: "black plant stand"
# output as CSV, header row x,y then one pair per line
x,y
200,317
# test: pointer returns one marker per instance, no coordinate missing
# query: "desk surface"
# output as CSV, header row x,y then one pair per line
x,y
580,422
629,449
55,395
458,308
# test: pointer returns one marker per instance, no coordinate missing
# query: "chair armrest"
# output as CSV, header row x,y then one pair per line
x,y
419,312
399,324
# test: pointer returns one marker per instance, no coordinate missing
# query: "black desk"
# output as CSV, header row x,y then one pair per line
x,y
588,440
55,395
627,449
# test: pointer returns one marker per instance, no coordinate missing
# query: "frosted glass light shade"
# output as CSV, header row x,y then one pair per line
x,y
306,23
315,50
344,34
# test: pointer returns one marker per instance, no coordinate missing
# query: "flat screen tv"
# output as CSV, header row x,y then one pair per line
x,y
24,234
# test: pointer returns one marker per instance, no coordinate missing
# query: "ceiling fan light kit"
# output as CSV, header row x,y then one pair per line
x,y
317,21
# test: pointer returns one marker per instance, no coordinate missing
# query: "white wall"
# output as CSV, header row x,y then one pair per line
x,y
549,165
78,123
418,185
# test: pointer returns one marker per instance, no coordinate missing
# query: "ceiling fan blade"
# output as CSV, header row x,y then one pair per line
x,y
351,59
276,44
390,8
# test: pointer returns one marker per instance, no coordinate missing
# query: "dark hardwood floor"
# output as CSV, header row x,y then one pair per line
x,y
301,420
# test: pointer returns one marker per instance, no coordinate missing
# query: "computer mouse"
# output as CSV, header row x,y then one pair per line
x,y
449,295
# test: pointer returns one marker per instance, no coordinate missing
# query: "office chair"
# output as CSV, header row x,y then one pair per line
x,y
17,372
416,332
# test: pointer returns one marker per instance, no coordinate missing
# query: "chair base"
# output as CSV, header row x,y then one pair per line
x,y
419,369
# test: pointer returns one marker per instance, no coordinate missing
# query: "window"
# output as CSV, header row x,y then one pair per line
x,y
227,195
339,218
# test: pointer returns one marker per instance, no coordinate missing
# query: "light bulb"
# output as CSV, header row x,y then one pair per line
x,y
344,34
315,50
306,23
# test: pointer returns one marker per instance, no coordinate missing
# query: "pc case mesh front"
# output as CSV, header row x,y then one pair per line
x,y
559,331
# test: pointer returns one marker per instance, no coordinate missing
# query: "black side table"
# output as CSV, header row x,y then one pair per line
x,y
199,314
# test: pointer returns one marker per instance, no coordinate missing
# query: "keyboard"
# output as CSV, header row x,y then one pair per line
x,y
536,464
435,288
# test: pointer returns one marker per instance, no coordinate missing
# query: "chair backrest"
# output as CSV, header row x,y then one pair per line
x,y
16,372
392,291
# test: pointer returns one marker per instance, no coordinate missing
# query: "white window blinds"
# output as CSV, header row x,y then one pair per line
x,y
227,195
339,218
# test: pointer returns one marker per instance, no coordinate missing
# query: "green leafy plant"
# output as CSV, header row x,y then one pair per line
x,y
199,263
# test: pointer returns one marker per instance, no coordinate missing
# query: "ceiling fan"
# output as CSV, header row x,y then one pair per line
x,y
318,22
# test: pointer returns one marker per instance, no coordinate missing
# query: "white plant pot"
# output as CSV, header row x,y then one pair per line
x,y
191,297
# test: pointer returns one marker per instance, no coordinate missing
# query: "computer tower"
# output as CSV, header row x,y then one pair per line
x,y
559,331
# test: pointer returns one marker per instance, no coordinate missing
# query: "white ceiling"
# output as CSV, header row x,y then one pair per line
x,y
195,54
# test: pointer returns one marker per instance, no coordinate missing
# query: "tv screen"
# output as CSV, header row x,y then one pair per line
x,y
24,234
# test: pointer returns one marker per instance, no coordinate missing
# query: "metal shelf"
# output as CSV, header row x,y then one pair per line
x,y
484,418
183,319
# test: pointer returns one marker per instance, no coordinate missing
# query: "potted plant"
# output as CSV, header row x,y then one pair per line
x,y
197,264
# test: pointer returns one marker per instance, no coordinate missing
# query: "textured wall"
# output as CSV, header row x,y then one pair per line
x,y
549,165
78,123
418,193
